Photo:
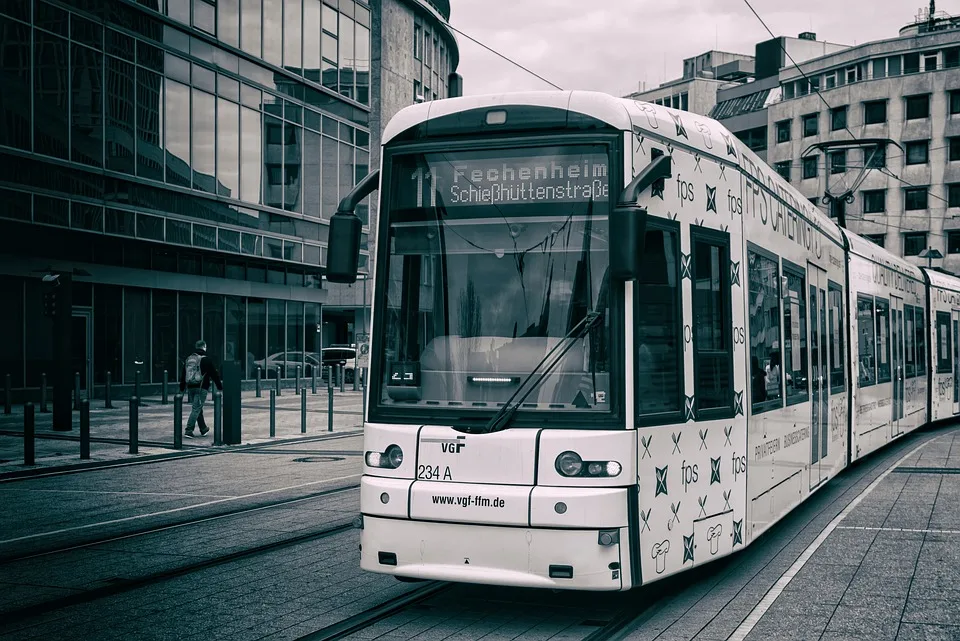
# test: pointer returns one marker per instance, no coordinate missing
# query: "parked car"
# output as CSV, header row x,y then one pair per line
x,y
345,355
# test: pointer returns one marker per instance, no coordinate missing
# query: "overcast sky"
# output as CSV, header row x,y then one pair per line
x,y
612,45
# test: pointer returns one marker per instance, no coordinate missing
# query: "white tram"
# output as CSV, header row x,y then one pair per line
x,y
611,344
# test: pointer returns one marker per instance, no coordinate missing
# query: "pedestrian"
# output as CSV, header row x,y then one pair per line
x,y
195,376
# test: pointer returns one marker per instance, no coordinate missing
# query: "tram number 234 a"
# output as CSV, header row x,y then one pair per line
x,y
433,473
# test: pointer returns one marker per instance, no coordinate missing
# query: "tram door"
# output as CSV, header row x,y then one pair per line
x,y
896,367
819,374
956,361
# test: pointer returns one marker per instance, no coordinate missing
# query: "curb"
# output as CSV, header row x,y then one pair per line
x,y
206,450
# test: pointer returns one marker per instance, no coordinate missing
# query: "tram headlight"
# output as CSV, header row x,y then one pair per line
x,y
571,464
390,459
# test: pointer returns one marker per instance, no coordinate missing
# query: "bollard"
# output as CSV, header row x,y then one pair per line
x,y
178,421
217,417
76,390
363,408
166,381
341,376
303,411
356,383
259,374
134,424
313,378
273,413
297,385
106,393
84,429
28,451
7,396
330,402
136,385
278,380
43,393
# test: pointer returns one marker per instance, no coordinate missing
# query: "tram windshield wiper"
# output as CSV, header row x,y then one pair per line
x,y
502,418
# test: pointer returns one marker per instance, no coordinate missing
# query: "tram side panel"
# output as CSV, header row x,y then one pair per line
x,y
692,445
796,337
886,299
943,326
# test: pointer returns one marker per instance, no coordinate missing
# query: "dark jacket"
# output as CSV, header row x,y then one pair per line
x,y
207,368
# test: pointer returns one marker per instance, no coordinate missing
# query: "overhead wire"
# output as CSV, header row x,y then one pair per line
x,y
513,62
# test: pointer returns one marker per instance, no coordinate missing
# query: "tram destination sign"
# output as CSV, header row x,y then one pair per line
x,y
486,178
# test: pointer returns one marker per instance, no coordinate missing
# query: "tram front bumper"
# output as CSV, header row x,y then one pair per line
x,y
544,537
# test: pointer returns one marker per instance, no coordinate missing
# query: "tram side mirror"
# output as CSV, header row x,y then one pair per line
x,y
628,231
343,254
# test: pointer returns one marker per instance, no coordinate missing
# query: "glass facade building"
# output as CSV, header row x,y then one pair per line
x,y
182,159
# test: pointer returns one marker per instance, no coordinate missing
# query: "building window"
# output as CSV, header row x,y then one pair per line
x,y
914,243
783,131
954,100
755,139
838,161
783,168
879,67
876,239
955,148
875,157
915,198
911,63
953,195
918,152
951,57
810,123
874,112
831,80
918,107
852,75
893,66
810,167
874,201
417,42
684,101
838,118
953,242
788,91
930,62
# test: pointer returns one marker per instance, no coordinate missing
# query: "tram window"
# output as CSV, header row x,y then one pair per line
x,y
835,305
766,389
919,326
866,329
712,344
795,342
944,344
909,338
883,340
659,331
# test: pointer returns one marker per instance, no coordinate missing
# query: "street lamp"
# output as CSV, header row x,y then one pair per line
x,y
930,254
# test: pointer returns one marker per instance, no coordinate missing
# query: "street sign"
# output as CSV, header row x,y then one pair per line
x,y
363,355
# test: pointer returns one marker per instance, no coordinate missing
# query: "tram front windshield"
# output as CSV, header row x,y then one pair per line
x,y
495,256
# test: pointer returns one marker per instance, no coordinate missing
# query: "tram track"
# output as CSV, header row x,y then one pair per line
x,y
190,521
119,586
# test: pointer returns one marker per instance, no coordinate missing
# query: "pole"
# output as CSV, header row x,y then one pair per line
x,y
341,376
273,413
166,381
297,388
278,380
313,378
106,392
136,384
363,408
85,429
303,411
43,393
330,401
134,424
28,430
217,417
76,390
178,421
259,374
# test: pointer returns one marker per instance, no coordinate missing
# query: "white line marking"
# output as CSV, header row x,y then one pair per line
x,y
172,510
754,617
27,489
895,529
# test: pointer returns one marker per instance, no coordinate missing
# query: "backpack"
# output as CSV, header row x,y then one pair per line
x,y
194,375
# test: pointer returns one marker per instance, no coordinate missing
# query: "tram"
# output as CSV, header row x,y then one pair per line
x,y
611,344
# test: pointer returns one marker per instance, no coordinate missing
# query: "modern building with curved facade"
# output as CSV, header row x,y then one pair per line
x,y
180,160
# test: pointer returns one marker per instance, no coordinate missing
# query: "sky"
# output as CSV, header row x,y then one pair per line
x,y
613,45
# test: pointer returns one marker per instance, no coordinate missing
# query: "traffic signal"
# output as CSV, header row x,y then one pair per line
x,y
50,302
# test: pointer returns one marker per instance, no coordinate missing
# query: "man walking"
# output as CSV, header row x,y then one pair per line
x,y
198,370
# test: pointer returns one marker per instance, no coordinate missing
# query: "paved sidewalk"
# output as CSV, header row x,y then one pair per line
x,y
110,435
